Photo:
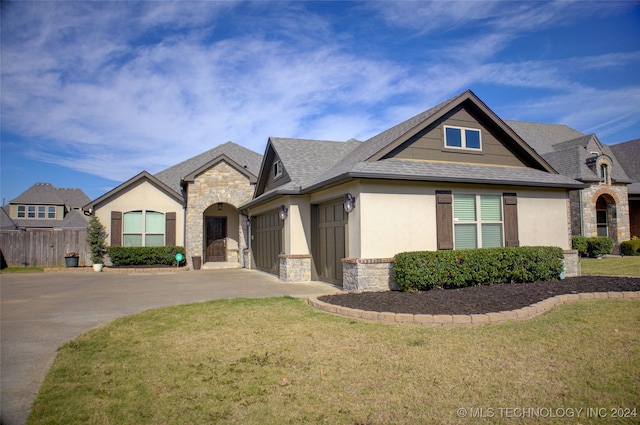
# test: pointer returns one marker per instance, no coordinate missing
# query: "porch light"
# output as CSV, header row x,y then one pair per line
x,y
219,206
284,212
349,203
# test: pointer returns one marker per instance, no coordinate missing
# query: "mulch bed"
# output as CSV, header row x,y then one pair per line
x,y
479,299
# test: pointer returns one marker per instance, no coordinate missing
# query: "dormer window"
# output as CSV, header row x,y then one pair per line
x,y
462,138
277,169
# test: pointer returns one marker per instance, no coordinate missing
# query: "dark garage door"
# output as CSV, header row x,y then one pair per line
x,y
267,242
330,242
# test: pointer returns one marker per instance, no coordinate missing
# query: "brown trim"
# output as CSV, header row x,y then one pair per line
x,y
170,229
444,219
116,228
510,208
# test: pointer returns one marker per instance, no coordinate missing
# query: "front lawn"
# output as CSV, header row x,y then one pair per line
x,y
278,361
611,266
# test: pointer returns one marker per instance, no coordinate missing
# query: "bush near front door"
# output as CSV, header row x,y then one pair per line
x,y
144,255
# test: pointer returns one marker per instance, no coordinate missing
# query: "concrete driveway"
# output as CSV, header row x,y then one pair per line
x,y
40,312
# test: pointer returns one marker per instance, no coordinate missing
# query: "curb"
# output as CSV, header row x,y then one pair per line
x,y
125,270
524,313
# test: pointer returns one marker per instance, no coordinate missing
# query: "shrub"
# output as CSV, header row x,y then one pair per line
x,y
599,246
144,255
424,270
631,247
580,244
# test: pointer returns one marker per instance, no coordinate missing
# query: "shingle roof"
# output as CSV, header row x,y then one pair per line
x,y
5,221
241,155
46,194
306,159
628,155
543,137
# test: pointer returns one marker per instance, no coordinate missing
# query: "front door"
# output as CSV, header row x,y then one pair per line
x,y
216,239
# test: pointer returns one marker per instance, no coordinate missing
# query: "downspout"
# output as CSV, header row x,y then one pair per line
x,y
247,239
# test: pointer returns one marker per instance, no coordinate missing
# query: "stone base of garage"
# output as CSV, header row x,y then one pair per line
x,y
368,275
295,268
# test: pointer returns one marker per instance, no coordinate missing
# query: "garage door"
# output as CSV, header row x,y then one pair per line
x,y
266,242
330,242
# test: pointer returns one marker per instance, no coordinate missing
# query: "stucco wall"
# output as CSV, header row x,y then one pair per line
x,y
143,196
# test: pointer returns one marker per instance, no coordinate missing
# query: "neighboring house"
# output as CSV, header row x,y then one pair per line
x,y
628,155
453,177
44,206
192,204
602,208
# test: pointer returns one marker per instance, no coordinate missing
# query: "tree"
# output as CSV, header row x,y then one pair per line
x,y
96,235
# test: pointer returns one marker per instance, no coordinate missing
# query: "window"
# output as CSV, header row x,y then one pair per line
x,y
51,212
604,173
42,212
31,211
477,221
143,228
462,138
277,169
22,211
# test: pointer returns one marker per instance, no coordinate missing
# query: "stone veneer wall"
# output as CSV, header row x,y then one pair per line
x,y
620,195
221,183
295,268
376,274
368,275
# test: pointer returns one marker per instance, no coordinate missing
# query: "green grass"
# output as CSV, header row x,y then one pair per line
x,y
278,361
22,270
611,266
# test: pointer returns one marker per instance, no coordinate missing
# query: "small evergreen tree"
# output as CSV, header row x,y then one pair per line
x,y
96,235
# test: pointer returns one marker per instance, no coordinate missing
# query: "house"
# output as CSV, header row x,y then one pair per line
x,y
455,176
192,204
602,207
628,155
43,206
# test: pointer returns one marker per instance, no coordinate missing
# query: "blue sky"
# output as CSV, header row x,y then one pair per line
x,y
92,93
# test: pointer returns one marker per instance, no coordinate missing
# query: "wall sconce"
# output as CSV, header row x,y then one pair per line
x,y
284,212
219,206
349,203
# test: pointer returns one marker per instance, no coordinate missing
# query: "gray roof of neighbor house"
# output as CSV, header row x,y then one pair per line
x,y
72,220
628,155
242,156
46,194
5,221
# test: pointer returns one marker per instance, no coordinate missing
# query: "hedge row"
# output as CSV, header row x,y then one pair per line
x,y
631,247
593,247
144,255
424,270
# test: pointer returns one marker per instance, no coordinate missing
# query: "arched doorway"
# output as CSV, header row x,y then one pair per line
x,y
606,217
221,233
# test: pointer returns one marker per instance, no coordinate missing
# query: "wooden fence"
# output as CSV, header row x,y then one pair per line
x,y
42,247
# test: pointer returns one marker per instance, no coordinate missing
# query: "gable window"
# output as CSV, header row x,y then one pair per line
x,y
477,221
277,168
143,228
462,138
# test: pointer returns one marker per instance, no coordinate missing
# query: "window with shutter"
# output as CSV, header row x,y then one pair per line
x,y
477,221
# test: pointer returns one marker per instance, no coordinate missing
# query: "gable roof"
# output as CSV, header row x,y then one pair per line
x,y
243,158
367,159
6,223
46,194
628,155
132,182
